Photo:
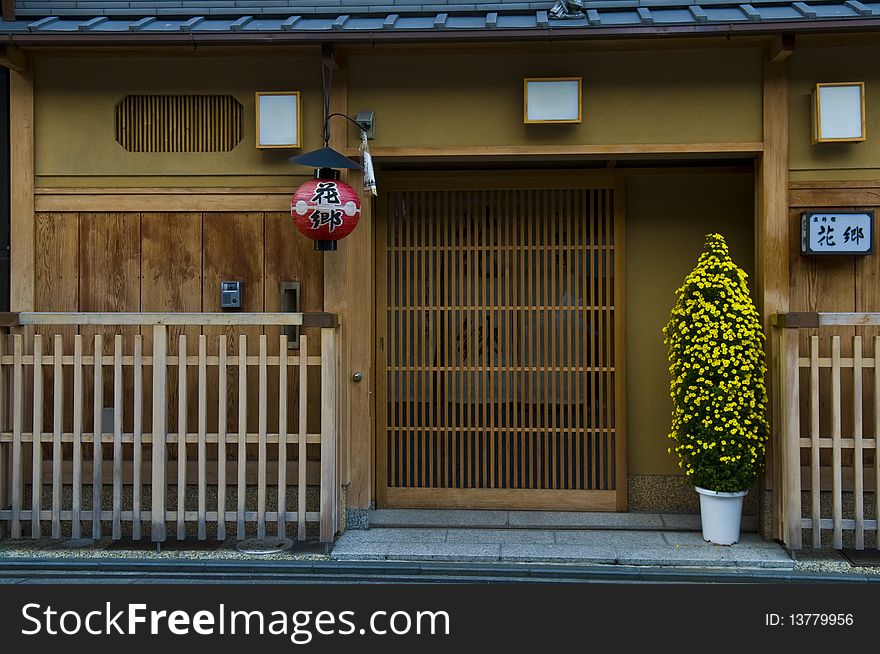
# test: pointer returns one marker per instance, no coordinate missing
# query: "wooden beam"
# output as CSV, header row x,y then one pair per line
x,y
21,157
13,58
771,252
796,319
782,48
162,200
541,151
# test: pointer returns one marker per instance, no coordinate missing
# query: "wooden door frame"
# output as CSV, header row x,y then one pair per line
x,y
508,180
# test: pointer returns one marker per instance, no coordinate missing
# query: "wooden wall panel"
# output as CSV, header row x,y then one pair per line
x,y
289,257
57,289
109,268
233,251
171,280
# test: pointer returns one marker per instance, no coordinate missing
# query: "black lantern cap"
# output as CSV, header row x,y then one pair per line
x,y
325,158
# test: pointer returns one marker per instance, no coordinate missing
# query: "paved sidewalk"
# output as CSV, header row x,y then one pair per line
x,y
657,547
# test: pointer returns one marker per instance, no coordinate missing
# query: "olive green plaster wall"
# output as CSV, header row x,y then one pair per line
x,y
667,217
686,96
75,98
833,161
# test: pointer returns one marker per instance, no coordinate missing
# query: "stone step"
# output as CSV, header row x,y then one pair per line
x,y
571,546
483,519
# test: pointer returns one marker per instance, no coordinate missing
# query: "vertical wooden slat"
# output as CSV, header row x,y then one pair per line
x,y
815,476
160,431
138,427
328,435
17,420
221,438
282,436
97,434
303,406
181,436
836,485
37,445
877,439
242,436
858,460
203,431
261,445
789,378
57,430
4,414
116,526
76,521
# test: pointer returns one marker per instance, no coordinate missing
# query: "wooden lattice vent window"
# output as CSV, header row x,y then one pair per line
x,y
179,123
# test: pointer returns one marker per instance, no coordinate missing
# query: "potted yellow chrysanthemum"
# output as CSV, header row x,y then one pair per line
x,y
719,398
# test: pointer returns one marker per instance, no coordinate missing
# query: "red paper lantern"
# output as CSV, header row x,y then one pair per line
x,y
325,210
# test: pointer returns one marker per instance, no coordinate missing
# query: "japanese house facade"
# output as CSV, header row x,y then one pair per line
x,y
500,304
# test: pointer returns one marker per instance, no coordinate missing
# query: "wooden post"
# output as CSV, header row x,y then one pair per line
x,y
328,435
348,276
160,431
97,434
771,245
21,169
790,430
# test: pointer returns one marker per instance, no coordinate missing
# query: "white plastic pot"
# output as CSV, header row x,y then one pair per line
x,y
721,514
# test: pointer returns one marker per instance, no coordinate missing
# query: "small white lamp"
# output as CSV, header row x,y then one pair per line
x,y
552,100
839,112
278,119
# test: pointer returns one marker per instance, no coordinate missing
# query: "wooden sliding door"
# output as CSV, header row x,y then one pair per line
x,y
500,380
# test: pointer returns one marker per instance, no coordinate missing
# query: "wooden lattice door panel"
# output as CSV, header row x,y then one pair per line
x,y
498,339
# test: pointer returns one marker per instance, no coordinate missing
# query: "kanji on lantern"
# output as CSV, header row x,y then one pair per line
x,y
325,210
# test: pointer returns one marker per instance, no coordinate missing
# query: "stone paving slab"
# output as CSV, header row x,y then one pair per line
x,y
648,548
696,538
444,551
666,555
396,534
557,553
436,518
522,536
563,520
612,538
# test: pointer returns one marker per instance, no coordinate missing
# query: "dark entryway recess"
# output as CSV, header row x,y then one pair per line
x,y
4,190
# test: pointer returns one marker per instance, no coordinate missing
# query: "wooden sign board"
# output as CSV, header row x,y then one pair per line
x,y
837,232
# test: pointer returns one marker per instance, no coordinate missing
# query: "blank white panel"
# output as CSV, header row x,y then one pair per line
x,y
553,100
278,120
840,112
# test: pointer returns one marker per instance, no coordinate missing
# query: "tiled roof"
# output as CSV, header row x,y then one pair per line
x,y
157,17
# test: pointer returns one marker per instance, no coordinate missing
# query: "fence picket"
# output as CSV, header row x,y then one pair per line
x,y
97,432
17,419
138,426
221,438
160,432
203,430
836,500
261,446
282,437
181,437
116,528
37,445
242,435
4,414
858,465
76,527
815,471
57,429
303,430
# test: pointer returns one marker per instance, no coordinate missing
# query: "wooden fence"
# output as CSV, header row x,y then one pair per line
x,y
828,398
70,417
